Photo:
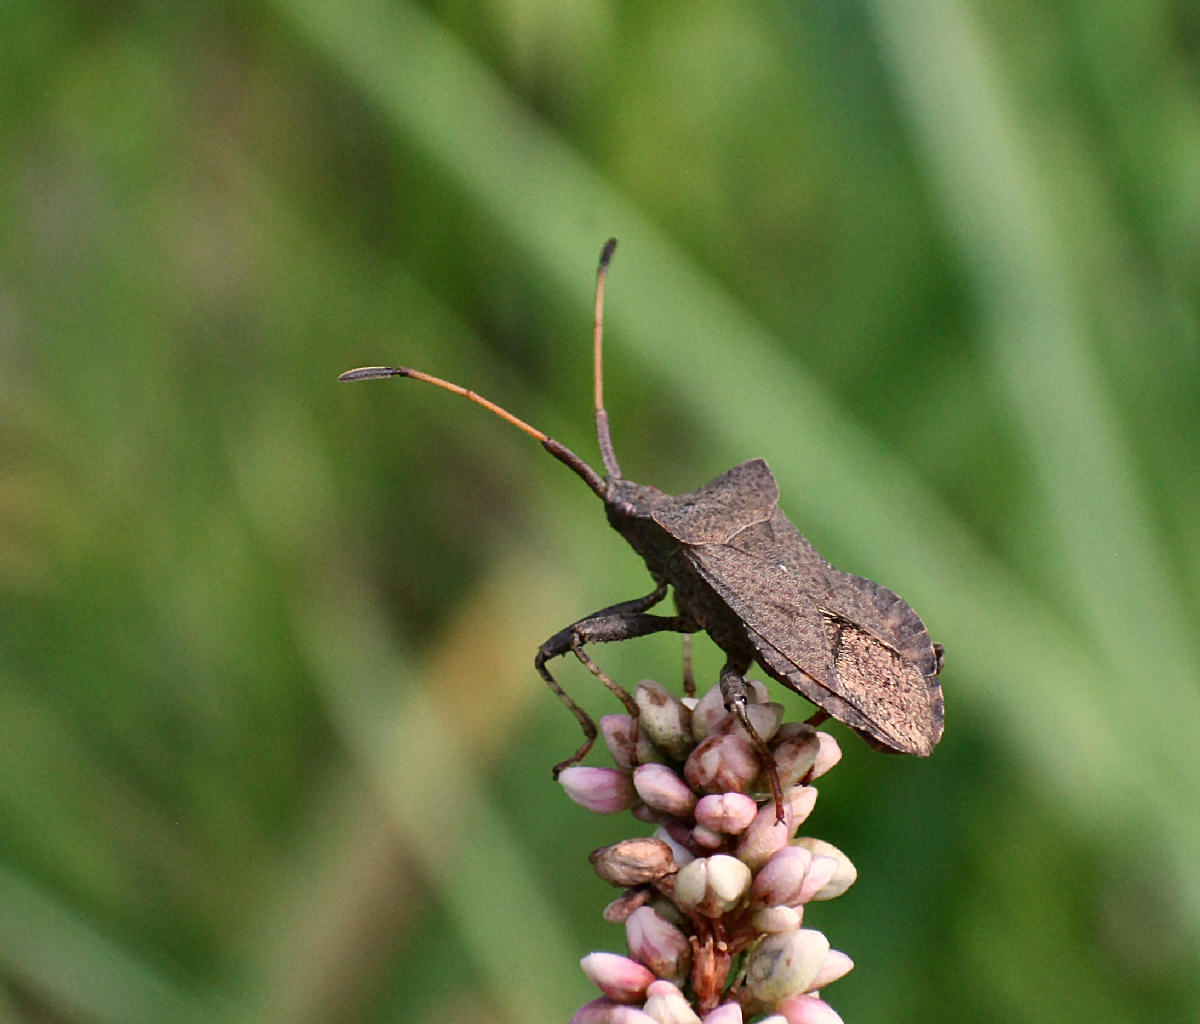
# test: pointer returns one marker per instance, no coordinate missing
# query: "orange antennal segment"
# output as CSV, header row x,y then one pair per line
x,y
559,451
603,437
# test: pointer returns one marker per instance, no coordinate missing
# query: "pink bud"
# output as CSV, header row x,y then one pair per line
x,y
785,964
658,944
781,880
722,764
663,790
777,919
666,1004
829,754
726,1013
598,1011
605,1011
730,813
820,874
619,737
665,719
795,751
603,790
707,838
712,886
807,1010
709,716
621,979
842,878
764,837
837,965
765,718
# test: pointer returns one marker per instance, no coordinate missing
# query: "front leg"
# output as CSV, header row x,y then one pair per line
x,y
622,621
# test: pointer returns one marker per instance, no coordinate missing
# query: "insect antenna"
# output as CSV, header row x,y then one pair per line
x,y
559,451
603,436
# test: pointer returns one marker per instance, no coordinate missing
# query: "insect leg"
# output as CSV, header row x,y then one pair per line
x,y
622,621
735,694
689,678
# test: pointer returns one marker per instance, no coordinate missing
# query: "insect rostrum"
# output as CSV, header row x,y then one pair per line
x,y
741,572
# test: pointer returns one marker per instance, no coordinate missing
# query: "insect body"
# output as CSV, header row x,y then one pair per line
x,y
741,572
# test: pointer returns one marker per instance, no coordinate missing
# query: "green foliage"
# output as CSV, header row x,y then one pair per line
x,y
271,744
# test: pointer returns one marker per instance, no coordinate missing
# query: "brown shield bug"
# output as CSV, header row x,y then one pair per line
x,y
742,573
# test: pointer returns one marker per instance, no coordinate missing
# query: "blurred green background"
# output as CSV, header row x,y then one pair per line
x,y
271,743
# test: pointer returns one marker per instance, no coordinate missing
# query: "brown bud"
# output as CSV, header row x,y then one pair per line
x,y
633,862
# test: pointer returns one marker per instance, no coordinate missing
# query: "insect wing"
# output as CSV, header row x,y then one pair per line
x,y
842,642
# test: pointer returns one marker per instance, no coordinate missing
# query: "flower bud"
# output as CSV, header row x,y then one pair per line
x,y
807,1010
777,919
633,862
709,716
836,965
666,1005
658,944
757,692
842,878
781,880
618,911
795,751
620,738
766,834
707,838
663,790
621,979
712,886
765,718
829,754
598,1011
603,790
665,719
680,852
722,764
726,1013
785,964
605,1011
730,813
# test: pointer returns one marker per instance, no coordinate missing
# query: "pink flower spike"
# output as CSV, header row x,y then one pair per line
x,y
807,1010
730,813
663,790
621,979
603,790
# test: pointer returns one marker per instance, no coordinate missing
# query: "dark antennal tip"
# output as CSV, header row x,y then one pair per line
x,y
606,254
373,372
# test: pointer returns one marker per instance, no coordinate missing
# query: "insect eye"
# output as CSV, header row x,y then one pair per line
x,y
624,509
